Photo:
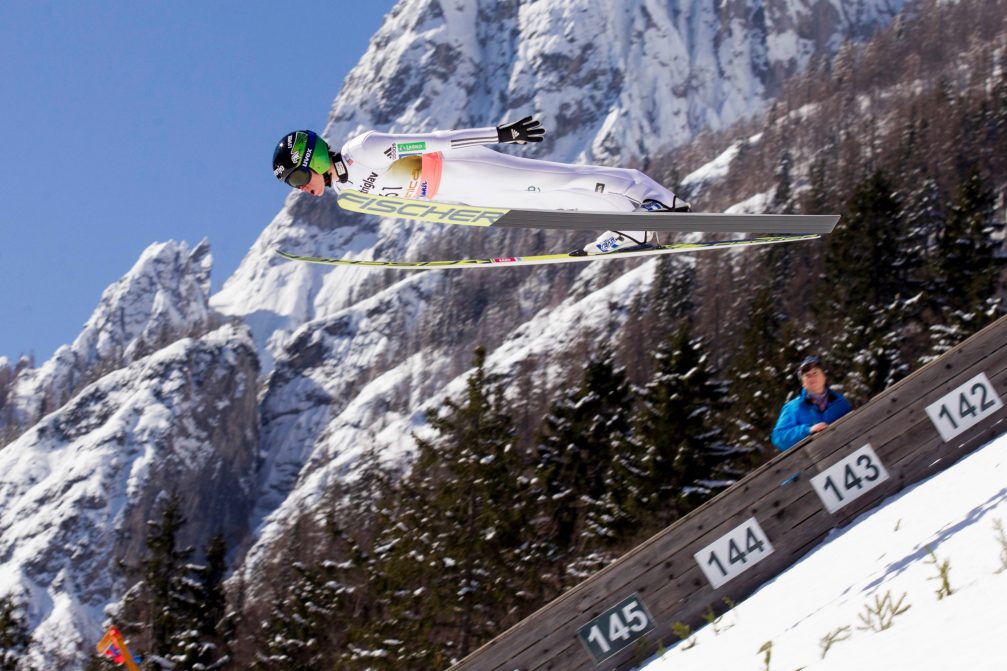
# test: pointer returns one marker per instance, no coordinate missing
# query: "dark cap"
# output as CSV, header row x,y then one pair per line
x,y
809,363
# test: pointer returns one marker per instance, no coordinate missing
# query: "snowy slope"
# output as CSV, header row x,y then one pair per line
x,y
884,551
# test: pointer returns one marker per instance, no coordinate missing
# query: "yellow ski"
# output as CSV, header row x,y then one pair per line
x,y
546,259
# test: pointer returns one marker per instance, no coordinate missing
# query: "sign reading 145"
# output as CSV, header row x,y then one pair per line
x,y
964,407
616,628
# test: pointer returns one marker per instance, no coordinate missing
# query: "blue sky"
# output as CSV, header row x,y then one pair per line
x,y
133,122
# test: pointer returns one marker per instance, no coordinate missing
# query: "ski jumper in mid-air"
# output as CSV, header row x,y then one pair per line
x,y
453,167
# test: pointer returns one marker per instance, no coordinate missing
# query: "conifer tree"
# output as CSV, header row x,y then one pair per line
x,y
454,559
925,215
867,358
177,609
861,269
672,296
164,573
198,643
586,430
780,263
294,637
331,598
760,378
966,268
783,195
370,588
864,288
678,432
966,254
14,635
818,197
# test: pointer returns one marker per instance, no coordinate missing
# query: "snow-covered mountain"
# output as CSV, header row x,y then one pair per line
x,y
348,373
163,296
76,490
256,417
148,401
663,71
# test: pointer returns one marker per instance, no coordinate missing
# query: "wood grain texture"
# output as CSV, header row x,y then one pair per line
x,y
666,576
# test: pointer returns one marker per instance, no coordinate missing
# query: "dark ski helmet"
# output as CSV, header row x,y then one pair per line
x,y
298,153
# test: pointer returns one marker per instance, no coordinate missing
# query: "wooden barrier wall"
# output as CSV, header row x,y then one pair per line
x,y
773,517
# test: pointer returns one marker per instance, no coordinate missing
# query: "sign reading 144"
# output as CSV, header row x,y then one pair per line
x,y
964,407
734,552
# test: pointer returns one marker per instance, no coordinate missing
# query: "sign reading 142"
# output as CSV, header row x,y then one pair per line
x,y
964,407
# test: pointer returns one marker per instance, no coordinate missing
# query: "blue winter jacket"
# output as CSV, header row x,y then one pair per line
x,y
800,414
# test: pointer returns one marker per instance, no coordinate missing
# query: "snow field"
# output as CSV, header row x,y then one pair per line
x,y
884,552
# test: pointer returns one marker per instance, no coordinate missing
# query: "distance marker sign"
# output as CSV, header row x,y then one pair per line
x,y
845,481
964,407
616,628
734,553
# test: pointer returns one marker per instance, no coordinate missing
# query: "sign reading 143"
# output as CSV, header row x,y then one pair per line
x,y
846,480
964,407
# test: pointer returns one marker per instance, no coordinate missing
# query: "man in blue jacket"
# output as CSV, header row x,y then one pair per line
x,y
816,407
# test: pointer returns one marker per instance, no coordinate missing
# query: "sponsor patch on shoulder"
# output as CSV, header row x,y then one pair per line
x,y
409,148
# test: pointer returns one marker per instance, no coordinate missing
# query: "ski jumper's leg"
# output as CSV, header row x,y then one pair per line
x,y
481,176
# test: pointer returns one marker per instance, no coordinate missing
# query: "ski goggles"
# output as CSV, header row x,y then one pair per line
x,y
298,177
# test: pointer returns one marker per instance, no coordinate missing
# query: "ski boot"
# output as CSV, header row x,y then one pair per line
x,y
677,205
616,241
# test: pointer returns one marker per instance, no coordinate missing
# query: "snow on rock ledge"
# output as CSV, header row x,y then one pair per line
x,y
164,297
76,490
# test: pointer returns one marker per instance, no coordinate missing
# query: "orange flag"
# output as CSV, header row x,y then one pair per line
x,y
112,645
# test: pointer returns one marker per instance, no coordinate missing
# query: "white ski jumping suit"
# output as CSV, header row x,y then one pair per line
x,y
451,166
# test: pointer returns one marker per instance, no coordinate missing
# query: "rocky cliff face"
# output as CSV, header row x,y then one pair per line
x,y
162,297
150,399
256,417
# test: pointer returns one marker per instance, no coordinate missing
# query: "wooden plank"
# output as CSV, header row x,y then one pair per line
x,y
591,597
816,534
679,578
931,382
692,609
931,376
705,597
663,570
691,605
902,436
